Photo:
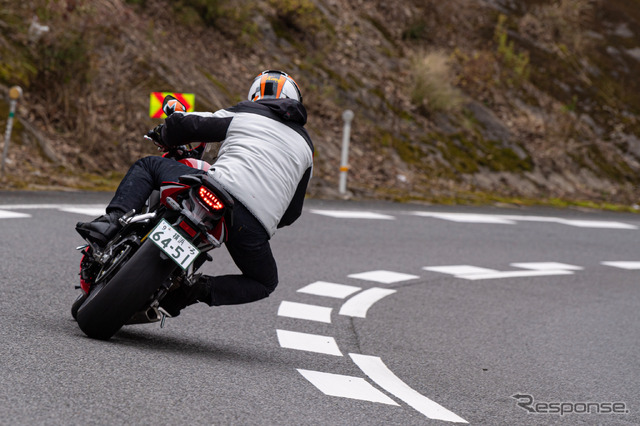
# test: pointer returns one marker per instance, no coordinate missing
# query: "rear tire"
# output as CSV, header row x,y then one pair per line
x,y
111,304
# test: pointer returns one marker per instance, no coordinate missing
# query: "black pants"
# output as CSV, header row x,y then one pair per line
x,y
248,241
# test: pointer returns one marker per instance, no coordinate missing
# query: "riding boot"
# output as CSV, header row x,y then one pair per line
x,y
183,296
102,229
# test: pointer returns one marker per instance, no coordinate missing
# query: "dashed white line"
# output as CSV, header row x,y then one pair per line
x,y
12,215
50,206
459,270
385,277
347,214
305,311
308,342
326,289
346,386
89,211
359,304
547,266
513,274
623,265
467,218
535,269
596,224
84,209
514,219
378,372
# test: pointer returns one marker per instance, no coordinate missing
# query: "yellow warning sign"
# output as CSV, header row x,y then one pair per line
x,y
155,102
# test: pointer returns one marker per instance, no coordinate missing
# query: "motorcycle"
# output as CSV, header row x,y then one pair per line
x,y
156,251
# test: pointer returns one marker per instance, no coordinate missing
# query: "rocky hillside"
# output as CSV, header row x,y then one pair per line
x,y
454,101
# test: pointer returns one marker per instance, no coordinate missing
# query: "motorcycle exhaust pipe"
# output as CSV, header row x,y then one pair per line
x,y
147,316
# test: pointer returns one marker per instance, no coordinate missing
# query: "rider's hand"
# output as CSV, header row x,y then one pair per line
x,y
156,136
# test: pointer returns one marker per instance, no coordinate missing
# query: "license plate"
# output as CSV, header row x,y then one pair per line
x,y
174,244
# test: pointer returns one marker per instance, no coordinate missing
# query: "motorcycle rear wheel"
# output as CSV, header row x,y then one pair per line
x,y
111,304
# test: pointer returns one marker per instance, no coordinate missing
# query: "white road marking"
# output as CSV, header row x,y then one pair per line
x,y
345,386
30,206
385,277
459,270
596,224
467,217
468,272
513,274
345,214
304,311
12,215
514,219
84,209
359,304
373,367
547,266
522,218
308,342
50,206
89,211
326,289
604,224
623,265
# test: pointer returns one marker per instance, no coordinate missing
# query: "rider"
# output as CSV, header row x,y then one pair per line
x,y
265,162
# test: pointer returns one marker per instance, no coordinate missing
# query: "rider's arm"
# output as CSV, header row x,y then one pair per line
x,y
183,128
294,210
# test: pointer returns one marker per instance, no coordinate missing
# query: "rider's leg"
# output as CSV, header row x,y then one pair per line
x,y
143,177
248,245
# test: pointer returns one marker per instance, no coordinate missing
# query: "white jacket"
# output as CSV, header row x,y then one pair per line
x,y
266,157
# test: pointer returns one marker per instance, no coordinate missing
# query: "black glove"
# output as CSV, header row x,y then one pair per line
x,y
156,136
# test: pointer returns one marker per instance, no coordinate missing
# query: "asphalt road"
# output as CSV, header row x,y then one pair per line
x,y
385,314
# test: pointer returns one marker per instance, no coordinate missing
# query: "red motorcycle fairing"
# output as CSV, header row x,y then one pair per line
x,y
84,284
170,190
196,164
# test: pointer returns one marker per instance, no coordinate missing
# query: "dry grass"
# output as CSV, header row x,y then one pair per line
x,y
433,89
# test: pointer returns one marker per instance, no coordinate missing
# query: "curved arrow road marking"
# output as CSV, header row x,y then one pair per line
x,y
373,367
357,306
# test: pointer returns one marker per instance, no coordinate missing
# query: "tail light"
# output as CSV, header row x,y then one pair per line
x,y
210,199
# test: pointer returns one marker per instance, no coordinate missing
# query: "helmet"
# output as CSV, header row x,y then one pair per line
x,y
272,84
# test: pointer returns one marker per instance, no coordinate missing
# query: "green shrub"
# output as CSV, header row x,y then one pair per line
x,y
517,64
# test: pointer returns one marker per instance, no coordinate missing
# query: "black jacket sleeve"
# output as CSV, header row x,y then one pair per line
x,y
180,129
294,210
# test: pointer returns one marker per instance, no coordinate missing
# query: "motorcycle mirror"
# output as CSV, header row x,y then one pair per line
x,y
171,105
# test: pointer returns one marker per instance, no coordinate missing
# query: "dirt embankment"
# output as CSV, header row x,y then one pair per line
x,y
463,101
